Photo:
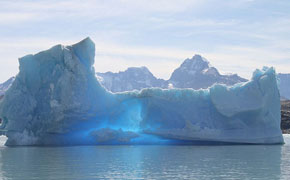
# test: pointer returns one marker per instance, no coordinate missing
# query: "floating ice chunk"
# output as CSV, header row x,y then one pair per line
x,y
57,100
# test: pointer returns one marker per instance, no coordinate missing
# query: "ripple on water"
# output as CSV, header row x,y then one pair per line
x,y
146,162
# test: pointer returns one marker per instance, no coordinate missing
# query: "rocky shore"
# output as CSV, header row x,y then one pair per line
x,y
285,117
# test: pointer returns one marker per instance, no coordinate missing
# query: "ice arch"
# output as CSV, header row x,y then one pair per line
x,y
57,100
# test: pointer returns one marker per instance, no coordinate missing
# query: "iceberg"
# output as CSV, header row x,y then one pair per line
x,y
56,100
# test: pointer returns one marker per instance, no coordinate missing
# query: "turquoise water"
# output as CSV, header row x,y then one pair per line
x,y
146,162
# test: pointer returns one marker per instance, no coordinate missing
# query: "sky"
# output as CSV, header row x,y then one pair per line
x,y
235,36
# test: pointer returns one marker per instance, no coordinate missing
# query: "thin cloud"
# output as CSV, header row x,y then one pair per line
x,y
9,17
236,36
93,9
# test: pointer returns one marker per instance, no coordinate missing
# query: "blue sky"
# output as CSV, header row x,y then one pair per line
x,y
236,36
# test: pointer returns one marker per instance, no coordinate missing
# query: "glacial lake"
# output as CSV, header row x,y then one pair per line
x,y
146,162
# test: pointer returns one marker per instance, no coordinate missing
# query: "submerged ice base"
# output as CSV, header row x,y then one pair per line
x,y
57,100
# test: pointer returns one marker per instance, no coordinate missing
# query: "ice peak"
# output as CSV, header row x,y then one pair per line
x,y
85,51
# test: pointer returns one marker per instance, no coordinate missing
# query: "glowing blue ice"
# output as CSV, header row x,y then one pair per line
x,y
56,100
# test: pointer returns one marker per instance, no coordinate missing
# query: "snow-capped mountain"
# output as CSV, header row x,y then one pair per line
x,y
284,85
193,73
197,73
134,78
5,86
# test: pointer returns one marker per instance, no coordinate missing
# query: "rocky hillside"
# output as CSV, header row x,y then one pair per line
x,y
285,117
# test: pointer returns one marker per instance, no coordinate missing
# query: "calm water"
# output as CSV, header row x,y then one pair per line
x,y
146,162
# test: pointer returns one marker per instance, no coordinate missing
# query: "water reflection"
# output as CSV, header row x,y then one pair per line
x,y
145,162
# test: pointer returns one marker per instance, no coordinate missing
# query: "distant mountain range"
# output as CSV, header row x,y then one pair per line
x,y
133,78
195,73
